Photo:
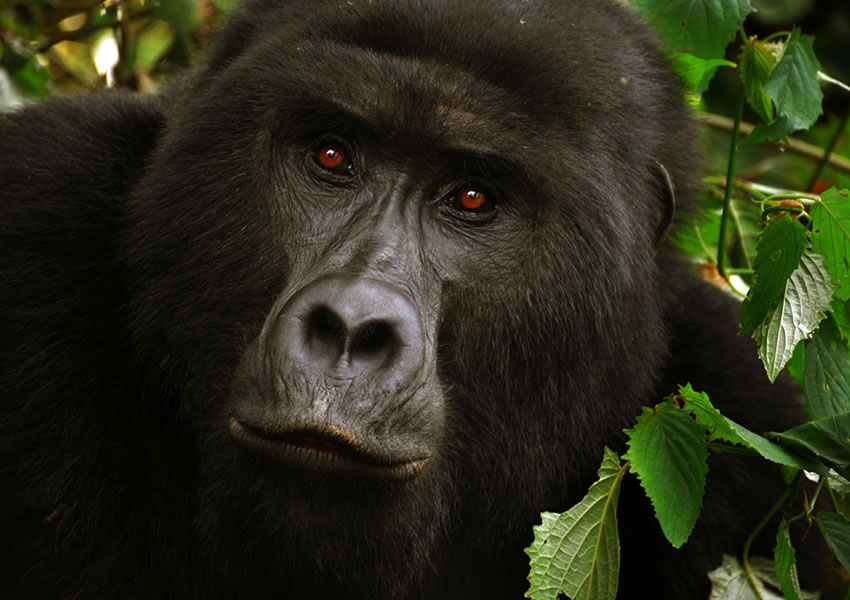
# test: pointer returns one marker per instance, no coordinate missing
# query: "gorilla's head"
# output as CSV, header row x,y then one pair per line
x,y
409,256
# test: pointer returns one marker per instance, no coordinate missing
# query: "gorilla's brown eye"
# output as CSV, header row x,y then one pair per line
x,y
334,157
471,202
471,198
330,157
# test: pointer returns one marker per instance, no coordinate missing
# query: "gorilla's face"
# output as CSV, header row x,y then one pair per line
x,y
382,206
424,245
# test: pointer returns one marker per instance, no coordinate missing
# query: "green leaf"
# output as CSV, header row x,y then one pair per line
x,y
778,253
667,451
695,234
785,563
808,295
33,79
721,428
153,43
831,237
793,83
841,314
840,491
729,581
577,552
826,440
695,72
793,86
757,61
702,27
835,529
827,372
182,15
776,130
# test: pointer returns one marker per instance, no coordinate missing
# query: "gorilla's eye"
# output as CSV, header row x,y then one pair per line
x,y
473,203
333,156
471,198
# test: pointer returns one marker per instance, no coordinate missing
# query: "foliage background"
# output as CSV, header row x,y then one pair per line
x,y
59,46
64,46
49,47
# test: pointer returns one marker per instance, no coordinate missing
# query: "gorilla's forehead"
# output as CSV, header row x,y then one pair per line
x,y
397,97
561,88
459,74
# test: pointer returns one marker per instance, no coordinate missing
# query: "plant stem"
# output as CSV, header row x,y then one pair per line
x,y
809,151
739,271
746,557
730,177
739,231
832,499
814,499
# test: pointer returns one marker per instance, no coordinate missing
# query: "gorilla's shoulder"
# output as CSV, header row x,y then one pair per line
x,y
67,166
92,145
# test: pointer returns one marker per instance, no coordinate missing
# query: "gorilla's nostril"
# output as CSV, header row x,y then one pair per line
x,y
325,332
373,339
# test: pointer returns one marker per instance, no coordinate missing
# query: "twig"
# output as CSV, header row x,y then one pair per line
x,y
794,145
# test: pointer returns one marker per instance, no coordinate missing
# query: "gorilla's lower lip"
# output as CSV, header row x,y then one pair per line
x,y
325,450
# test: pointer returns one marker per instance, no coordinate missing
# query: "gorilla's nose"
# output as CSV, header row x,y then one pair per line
x,y
354,326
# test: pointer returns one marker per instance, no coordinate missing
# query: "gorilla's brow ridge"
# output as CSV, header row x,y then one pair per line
x,y
397,96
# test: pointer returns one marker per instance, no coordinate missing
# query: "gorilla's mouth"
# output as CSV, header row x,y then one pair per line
x,y
325,449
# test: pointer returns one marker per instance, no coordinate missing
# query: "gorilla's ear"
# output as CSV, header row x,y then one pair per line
x,y
668,203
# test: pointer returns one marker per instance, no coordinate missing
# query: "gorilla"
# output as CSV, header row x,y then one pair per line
x,y
342,310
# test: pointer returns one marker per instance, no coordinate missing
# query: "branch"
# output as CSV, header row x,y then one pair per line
x,y
794,145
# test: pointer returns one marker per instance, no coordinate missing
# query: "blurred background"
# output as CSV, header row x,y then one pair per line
x,y
59,46
50,47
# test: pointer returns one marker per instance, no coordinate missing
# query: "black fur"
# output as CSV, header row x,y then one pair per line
x,y
154,250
